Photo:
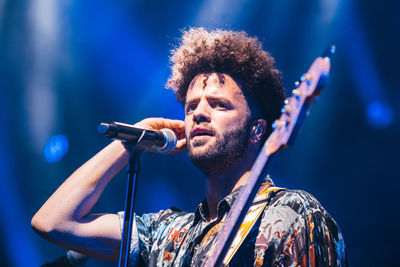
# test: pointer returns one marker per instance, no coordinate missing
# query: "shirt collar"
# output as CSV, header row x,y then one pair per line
x,y
224,205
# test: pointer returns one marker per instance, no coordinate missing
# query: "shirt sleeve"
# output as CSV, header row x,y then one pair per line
x,y
315,239
134,250
325,241
144,231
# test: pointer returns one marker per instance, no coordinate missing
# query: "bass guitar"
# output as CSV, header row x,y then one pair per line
x,y
285,128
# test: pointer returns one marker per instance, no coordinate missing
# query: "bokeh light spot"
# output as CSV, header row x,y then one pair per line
x,y
379,115
55,148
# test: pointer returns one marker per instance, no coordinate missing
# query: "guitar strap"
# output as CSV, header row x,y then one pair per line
x,y
255,210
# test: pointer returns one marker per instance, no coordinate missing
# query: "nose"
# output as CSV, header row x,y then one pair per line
x,y
202,112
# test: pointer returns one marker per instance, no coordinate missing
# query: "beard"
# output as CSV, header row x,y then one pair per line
x,y
226,152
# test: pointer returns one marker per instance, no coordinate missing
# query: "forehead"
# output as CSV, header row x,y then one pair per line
x,y
214,84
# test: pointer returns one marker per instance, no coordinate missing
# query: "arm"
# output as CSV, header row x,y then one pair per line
x,y
65,218
325,241
315,241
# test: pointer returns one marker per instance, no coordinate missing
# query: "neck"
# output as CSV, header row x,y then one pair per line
x,y
221,184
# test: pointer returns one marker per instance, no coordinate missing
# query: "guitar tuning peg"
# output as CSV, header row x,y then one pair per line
x,y
286,109
286,101
296,93
327,59
329,52
274,125
296,84
308,78
333,49
302,78
279,123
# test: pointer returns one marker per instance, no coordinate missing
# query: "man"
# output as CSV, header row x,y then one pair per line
x,y
231,93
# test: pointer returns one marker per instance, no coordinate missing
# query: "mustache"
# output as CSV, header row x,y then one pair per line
x,y
204,127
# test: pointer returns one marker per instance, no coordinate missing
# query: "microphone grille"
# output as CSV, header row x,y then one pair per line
x,y
170,141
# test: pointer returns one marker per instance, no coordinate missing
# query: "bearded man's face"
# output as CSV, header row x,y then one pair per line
x,y
217,122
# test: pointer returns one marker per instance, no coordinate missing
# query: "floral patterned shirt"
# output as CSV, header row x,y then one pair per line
x,y
293,230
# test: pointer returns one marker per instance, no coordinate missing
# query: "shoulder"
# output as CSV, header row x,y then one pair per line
x,y
299,202
163,218
303,228
152,220
297,212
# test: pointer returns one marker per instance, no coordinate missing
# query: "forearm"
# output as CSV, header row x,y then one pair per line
x,y
75,198
66,218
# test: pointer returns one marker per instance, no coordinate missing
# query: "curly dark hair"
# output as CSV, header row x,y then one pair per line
x,y
233,53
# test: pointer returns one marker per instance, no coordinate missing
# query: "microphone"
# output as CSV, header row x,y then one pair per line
x,y
164,140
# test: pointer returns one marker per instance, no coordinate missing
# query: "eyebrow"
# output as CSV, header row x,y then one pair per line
x,y
190,102
211,98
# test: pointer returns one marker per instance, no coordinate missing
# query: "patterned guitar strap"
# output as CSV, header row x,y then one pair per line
x,y
255,210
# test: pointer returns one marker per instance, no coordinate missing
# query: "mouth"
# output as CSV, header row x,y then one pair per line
x,y
198,132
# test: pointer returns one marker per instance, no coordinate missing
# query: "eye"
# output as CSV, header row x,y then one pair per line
x,y
190,108
220,105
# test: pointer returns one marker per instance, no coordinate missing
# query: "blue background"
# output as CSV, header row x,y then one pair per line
x,y
66,66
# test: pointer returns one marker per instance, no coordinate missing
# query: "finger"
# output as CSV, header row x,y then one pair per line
x,y
177,126
160,123
180,146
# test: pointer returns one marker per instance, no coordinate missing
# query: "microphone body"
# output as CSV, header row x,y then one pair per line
x,y
164,140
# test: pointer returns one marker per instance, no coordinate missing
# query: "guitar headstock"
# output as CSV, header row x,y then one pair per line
x,y
306,93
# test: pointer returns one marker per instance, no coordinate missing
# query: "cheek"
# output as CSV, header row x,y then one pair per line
x,y
233,123
187,127
237,124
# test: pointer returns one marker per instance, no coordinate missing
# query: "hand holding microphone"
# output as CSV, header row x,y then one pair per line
x,y
162,135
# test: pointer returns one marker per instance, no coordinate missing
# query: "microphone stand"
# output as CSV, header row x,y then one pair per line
x,y
132,144
133,172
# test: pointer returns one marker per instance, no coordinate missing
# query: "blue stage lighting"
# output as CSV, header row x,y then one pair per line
x,y
55,148
379,115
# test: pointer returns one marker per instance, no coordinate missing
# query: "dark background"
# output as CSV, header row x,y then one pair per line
x,y
66,66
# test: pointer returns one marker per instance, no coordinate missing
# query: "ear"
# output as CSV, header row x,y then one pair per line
x,y
257,131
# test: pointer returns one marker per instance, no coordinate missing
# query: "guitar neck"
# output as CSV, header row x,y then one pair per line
x,y
238,210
